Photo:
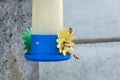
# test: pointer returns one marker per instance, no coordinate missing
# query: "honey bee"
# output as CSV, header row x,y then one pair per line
x,y
75,56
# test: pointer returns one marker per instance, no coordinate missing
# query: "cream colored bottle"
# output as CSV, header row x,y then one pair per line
x,y
47,16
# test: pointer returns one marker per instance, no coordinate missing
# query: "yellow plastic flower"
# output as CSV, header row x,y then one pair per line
x,y
65,41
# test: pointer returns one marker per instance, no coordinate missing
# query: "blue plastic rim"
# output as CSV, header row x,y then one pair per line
x,y
44,48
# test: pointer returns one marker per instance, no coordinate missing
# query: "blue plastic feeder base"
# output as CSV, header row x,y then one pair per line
x,y
44,48
47,58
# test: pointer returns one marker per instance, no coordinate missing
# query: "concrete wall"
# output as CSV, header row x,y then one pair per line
x,y
15,16
97,62
93,18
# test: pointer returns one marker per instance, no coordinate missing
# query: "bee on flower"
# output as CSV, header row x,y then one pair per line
x,y
65,41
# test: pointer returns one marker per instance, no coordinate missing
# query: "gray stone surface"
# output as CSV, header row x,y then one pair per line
x,y
93,18
97,62
15,16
